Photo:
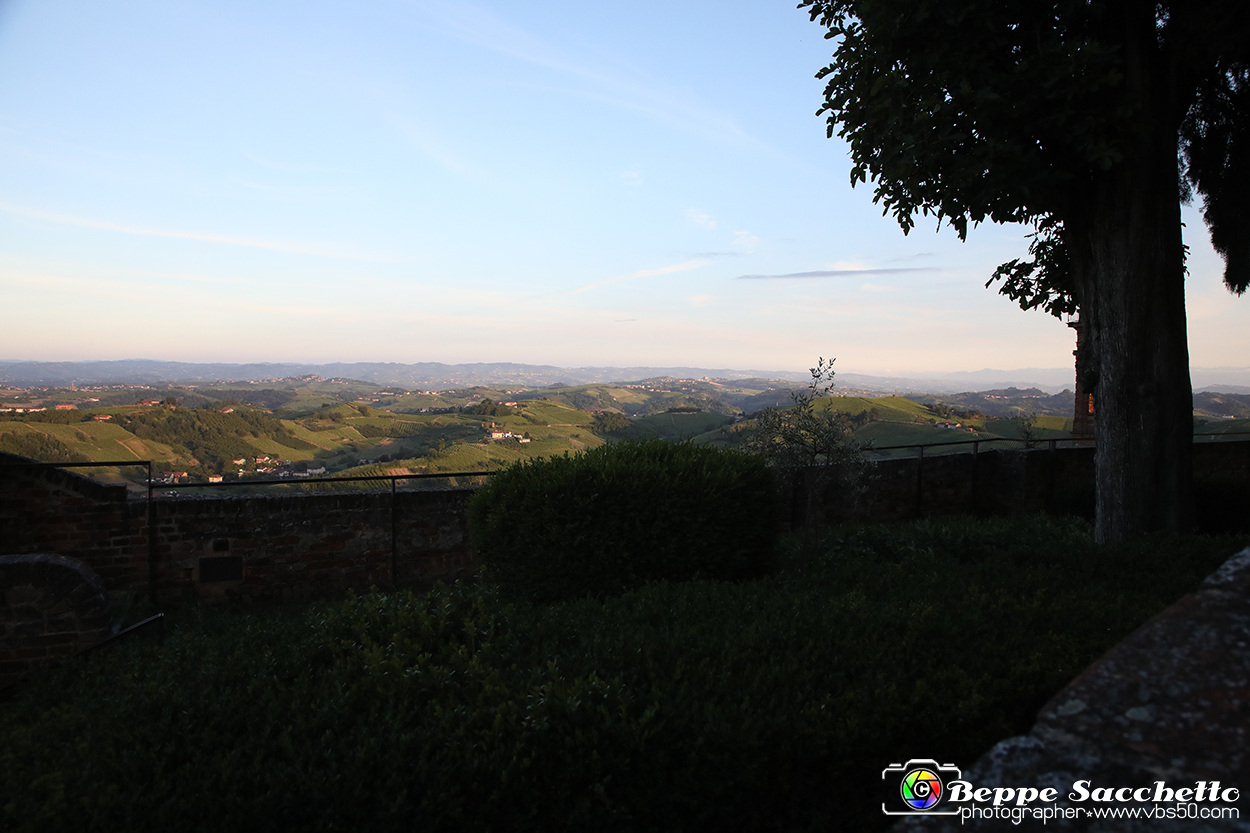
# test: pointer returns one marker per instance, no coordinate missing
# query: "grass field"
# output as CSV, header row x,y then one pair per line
x,y
96,440
677,426
334,435
1223,426
540,412
273,448
888,408
1046,427
884,434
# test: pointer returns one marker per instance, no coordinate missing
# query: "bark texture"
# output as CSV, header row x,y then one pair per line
x,y
1128,257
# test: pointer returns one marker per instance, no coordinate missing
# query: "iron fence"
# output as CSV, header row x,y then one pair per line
x,y
951,447
152,487
957,446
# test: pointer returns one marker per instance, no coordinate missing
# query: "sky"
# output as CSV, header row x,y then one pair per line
x,y
575,184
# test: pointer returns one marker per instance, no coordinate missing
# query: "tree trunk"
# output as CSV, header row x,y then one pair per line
x,y
1128,261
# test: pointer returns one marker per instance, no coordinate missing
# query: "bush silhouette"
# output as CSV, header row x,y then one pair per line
x,y
624,514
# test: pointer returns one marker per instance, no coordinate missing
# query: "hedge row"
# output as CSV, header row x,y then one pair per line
x,y
623,514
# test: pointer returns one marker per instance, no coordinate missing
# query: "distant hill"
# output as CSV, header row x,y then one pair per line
x,y
284,427
440,376
1005,402
1222,404
239,443
413,376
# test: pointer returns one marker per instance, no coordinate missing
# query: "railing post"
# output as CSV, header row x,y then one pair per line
x,y
976,459
920,481
1052,463
151,538
394,533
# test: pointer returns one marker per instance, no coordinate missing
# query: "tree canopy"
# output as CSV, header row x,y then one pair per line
x,y
1091,121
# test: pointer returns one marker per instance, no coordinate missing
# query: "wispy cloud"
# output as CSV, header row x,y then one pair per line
x,y
226,240
836,273
700,219
746,241
475,24
643,273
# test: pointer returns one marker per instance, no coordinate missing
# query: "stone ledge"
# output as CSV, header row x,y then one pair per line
x,y
1170,703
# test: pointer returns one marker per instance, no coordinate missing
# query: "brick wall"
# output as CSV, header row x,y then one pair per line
x,y
58,511
245,546
306,545
989,482
1007,481
285,546
50,606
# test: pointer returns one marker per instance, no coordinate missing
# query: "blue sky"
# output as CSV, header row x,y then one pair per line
x,y
554,182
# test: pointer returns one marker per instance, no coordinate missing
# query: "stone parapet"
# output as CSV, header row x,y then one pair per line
x,y
1170,703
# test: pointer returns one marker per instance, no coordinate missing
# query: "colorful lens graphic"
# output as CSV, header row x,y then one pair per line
x,y
922,788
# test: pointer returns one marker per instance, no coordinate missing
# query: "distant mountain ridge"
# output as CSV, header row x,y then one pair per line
x,y
431,375
417,375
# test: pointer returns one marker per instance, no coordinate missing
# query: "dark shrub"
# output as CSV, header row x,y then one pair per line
x,y
624,514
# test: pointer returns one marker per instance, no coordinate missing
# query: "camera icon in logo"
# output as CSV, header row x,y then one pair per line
x,y
921,786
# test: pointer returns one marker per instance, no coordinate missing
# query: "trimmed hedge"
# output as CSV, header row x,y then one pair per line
x,y
624,514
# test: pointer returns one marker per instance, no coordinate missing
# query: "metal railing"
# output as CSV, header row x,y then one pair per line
x,y
1034,444
1049,444
151,487
394,479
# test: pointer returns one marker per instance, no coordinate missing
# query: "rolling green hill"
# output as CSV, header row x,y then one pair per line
x,y
675,426
346,425
1223,426
885,434
883,409
1046,427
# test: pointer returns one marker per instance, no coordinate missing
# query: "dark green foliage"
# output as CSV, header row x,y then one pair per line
x,y
583,400
770,705
212,437
1215,146
39,446
264,398
1042,282
54,417
610,422
813,446
488,408
624,514
1092,121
